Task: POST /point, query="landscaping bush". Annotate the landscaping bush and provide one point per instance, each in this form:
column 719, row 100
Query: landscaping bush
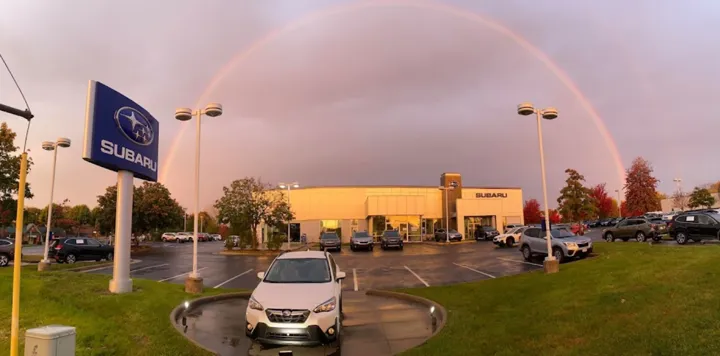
column 276, row 240
column 229, row 244
column 245, row 240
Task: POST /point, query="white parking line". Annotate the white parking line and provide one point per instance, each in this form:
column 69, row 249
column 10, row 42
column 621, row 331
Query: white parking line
column 144, row 268
column 180, row 275
column 232, row 279
column 474, row 270
column 355, row 279
column 418, row 277
column 132, row 262
column 516, row 261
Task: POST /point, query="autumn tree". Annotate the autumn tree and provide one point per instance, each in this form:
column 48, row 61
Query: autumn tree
column 531, row 212
column 615, row 209
column 575, row 202
column 10, row 166
column 701, row 197
column 640, row 187
column 680, row 200
column 603, row 202
column 554, row 216
column 80, row 213
column 32, row 215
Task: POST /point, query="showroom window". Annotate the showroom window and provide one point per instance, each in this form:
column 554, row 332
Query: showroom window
column 331, row 226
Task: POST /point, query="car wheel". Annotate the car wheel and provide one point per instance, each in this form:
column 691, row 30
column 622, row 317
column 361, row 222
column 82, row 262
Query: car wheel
column 177, row 241
column 510, row 242
column 109, row 256
column 70, row 258
column 681, row 238
column 640, row 236
column 4, row 260
column 656, row 237
column 609, row 237
column 526, row 252
column 558, row 254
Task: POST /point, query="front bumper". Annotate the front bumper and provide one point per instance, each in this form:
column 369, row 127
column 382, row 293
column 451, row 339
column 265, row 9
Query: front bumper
column 362, row 245
column 314, row 331
column 330, row 247
column 581, row 251
column 397, row 243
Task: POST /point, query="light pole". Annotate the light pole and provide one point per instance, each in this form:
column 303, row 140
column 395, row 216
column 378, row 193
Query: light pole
column 447, row 210
column 551, row 264
column 293, row 185
column 619, row 203
column 194, row 283
column 51, row 146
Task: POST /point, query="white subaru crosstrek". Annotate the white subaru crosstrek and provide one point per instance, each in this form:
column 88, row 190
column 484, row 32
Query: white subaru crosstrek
column 298, row 301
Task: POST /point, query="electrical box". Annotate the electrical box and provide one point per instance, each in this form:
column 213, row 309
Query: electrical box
column 51, row 340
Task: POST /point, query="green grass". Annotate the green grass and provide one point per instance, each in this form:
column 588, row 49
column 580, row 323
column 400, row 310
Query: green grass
column 633, row 299
column 135, row 324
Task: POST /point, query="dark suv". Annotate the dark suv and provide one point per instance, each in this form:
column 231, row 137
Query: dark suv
column 635, row 228
column 391, row 239
column 695, row 226
column 330, row 241
column 73, row 249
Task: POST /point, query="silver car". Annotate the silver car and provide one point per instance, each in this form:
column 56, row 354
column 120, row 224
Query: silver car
column 565, row 244
column 361, row 240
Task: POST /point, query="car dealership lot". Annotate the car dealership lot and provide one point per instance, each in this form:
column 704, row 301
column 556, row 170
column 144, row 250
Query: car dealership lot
column 418, row 265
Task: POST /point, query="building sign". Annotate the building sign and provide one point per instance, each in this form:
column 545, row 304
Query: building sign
column 119, row 134
column 491, row 195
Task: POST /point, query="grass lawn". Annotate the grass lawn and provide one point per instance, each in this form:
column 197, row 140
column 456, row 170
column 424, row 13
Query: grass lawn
column 633, row 299
column 135, row 324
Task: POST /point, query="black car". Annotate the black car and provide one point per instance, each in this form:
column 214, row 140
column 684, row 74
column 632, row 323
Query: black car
column 330, row 241
column 695, row 226
column 73, row 249
column 391, row 239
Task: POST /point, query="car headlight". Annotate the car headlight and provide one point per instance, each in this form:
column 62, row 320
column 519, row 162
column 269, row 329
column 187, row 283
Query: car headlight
column 328, row 305
column 254, row 304
column 571, row 245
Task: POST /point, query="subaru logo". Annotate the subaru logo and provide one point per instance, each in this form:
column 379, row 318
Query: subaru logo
column 286, row 313
column 134, row 125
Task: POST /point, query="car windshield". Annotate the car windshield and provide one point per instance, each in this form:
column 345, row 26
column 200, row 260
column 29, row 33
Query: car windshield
column 452, row 231
column 299, row 270
column 560, row 234
column 489, row 228
column 394, row 233
column 362, row 234
column 332, row 236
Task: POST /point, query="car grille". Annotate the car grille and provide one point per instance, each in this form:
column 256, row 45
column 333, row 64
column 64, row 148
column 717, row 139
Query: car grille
column 582, row 245
column 287, row 315
column 287, row 334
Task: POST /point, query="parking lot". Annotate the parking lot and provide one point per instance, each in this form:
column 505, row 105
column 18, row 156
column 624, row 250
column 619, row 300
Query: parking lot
column 418, row 265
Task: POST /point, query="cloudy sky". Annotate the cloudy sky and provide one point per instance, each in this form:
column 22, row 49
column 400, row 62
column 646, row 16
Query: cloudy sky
column 335, row 92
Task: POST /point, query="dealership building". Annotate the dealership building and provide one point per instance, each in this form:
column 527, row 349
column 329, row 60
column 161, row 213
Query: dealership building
column 415, row 211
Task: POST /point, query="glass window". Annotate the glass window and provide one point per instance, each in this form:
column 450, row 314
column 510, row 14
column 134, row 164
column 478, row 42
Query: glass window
column 680, row 219
column 532, row 232
column 80, row 242
column 703, row 219
column 362, row 234
column 92, row 242
column 690, row 218
column 391, row 233
column 70, row 242
column 559, row 234
column 299, row 270
column 329, row 236
column 4, row 243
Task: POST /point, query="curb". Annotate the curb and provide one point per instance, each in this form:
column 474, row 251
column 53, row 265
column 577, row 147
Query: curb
column 439, row 309
column 259, row 252
column 176, row 313
column 443, row 243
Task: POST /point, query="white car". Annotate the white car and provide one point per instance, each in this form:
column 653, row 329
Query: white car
column 168, row 237
column 183, row 237
column 216, row 237
column 298, row 301
column 510, row 237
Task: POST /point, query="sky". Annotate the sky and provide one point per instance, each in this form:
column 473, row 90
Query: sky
column 389, row 93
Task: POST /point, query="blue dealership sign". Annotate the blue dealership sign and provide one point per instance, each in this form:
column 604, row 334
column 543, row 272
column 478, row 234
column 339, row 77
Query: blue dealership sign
column 119, row 134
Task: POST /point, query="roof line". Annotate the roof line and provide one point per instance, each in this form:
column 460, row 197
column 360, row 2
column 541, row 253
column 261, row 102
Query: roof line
column 395, row 186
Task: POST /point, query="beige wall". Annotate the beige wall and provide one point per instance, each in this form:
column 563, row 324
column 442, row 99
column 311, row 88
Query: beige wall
column 503, row 208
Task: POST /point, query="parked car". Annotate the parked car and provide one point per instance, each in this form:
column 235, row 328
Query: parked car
column 510, row 238
column 490, row 232
column 297, row 302
column 361, row 240
column 235, row 240
column 453, row 235
column 509, row 227
column 391, row 239
column 7, row 252
column 564, row 244
column 330, row 241
column 203, row 237
column 695, row 226
column 182, row 237
column 169, row 237
column 215, row 237
column 639, row 229
column 73, row 249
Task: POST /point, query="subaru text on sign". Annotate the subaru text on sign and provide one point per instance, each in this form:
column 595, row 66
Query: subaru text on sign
column 119, row 134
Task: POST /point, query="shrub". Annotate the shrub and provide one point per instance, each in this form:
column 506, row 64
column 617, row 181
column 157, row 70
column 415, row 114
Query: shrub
column 229, row 244
column 276, row 240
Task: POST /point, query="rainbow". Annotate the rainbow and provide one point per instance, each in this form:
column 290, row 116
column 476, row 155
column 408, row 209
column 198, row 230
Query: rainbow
column 429, row 5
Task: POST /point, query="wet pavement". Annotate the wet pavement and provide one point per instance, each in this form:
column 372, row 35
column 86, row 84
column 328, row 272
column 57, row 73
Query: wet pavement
column 415, row 266
column 372, row 325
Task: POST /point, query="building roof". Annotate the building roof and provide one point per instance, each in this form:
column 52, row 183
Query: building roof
column 302, row 254
column 395, row 186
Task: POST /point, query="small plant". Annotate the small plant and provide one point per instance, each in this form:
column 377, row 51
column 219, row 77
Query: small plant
column 229, row 244
column 275, row 241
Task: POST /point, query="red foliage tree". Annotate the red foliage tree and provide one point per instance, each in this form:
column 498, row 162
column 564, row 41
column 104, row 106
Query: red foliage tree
column 224, row 231
column 554, row 216
column 602, row 201
column 640, row 185
column 531, row 212
column 628, row 213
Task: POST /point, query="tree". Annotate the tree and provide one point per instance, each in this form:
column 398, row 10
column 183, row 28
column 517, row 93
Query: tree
column 80, row 213
column 701, row 197
column 154, row 209
column 554, row 216
column 603, row 202
column 248, row 202
column 10, row 166
column 615, row 210
column 105, row 213
column 575, row 202
column 640, row 187
column 531, row 212
column 32, row 215
column 680, row 200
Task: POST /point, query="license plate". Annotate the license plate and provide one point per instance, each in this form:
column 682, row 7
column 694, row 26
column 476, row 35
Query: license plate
column 584, row 250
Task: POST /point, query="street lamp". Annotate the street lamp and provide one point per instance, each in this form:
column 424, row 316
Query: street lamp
column 51, row 146
column 452, row 186
column 551, row 264
column 193, row 284
column 293, row 185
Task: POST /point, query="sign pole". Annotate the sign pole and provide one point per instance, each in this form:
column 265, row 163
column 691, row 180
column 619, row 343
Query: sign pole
column 15, row 323
column 121, row 282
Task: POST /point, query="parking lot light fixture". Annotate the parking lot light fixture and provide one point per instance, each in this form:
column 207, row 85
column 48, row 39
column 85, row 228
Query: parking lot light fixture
column 194, row 282
column 51, row 146
column 288, row 186
column 525, row 109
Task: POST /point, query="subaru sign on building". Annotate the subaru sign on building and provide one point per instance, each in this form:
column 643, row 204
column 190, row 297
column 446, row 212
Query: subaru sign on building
column 119, row 134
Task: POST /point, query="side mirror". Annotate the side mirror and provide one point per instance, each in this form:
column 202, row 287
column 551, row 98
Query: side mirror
column 340, row 275
column 261, row 275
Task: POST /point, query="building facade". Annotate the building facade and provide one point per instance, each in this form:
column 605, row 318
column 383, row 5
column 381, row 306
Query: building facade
column 415, row 211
